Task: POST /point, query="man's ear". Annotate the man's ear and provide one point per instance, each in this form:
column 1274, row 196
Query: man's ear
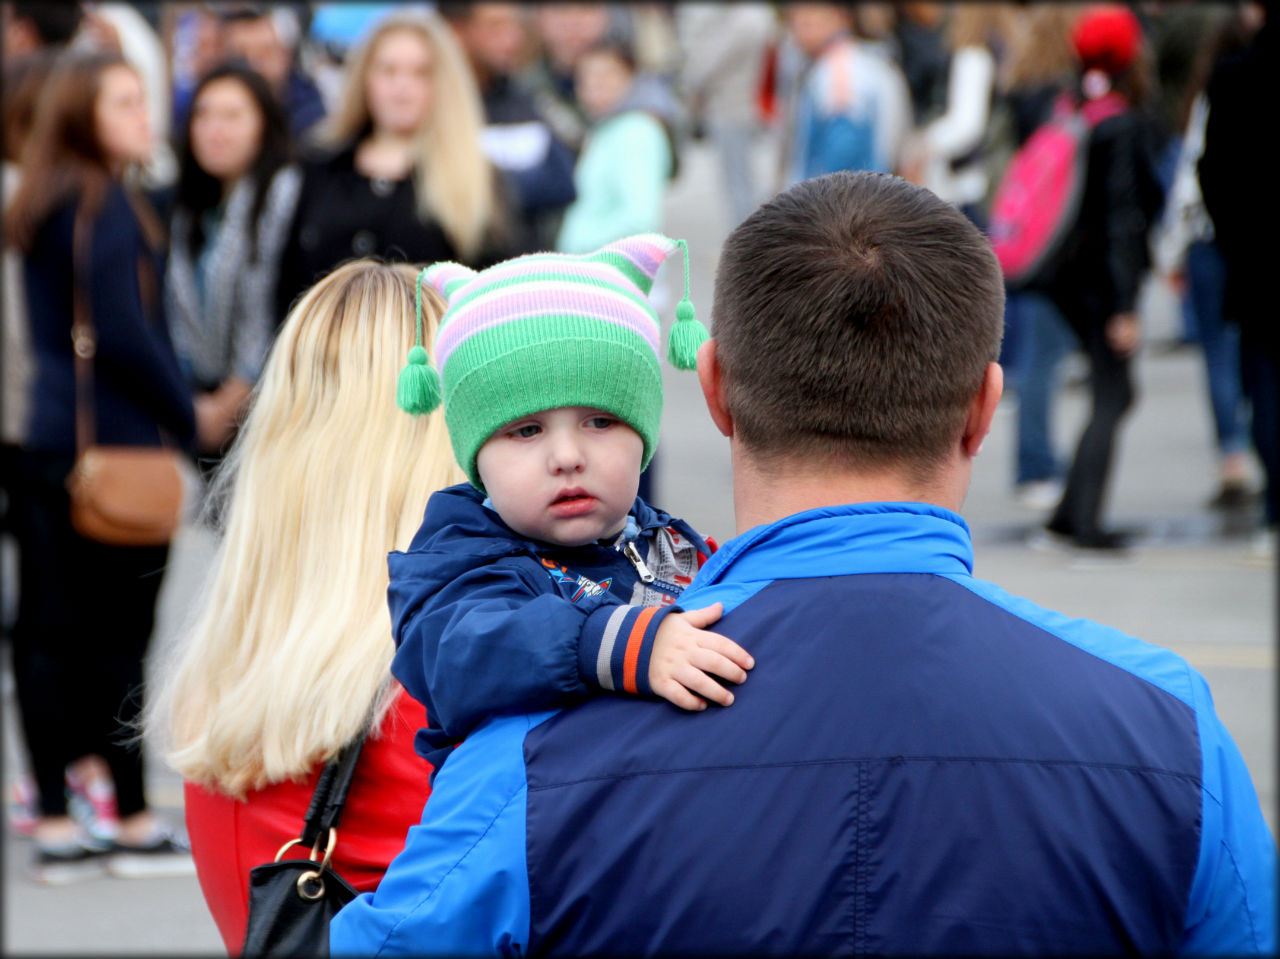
column 710, row 378
column 982, row 410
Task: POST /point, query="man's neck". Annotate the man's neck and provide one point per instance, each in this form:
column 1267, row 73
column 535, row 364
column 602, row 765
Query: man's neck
column 766, row 494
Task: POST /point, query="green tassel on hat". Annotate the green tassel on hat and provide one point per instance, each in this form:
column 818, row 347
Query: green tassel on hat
column 687, row 334
column 418, row 389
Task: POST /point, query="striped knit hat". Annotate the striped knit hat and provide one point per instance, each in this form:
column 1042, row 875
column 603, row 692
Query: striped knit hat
column 547, row 330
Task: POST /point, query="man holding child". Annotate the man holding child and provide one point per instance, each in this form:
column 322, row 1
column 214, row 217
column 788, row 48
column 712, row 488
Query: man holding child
column 919, row 762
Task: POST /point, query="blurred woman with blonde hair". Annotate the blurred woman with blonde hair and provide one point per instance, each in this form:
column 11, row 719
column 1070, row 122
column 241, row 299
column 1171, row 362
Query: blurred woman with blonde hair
column 287, row 657
column 397, row 169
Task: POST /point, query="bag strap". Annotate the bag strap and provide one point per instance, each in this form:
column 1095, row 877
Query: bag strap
column 84, row 335
column 330, row 795
column 1103, row 108
column 84, row 341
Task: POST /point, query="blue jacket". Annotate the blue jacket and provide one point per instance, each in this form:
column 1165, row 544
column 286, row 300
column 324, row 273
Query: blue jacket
column 919, row 763
column 486, row 620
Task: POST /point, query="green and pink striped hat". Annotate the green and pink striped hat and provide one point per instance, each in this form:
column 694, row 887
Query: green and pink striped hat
column 547, row 330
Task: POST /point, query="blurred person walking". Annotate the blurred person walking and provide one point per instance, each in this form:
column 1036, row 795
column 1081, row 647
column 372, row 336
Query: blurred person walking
column 1042, row 67
column 950, row 155
column 88, row 608
column 1187, row 255
column 851, row 108
column 24, row 76
column 1230, row 173
column 627, row 158
column 398, row 170
column 724, row 50
column 193, row 34
column 621, row 176
column 920, row 32
column 563, row 32
column 516, row 137
column 1097, row 282
column 121, row 28
column 235, row 195
column 287, row 656
column 91, row 793
column 268, row 39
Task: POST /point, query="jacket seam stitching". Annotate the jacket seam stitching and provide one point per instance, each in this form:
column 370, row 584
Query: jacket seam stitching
column 860, row 866
column 847, row 760
column 1244, row 889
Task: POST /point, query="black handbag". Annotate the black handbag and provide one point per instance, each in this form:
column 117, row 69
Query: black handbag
column 292, row 900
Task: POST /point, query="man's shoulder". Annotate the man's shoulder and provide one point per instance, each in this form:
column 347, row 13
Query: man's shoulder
column 1158, row 665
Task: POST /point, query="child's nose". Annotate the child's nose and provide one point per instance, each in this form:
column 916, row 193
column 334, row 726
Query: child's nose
column 566, row 455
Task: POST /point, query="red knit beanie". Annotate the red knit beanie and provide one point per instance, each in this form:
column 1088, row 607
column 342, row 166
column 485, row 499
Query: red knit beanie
column 1107, row 38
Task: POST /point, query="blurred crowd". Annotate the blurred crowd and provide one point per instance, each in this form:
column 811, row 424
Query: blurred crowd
column 240, row 152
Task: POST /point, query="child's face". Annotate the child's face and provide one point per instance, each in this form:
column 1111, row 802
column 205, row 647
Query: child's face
column 601, row 81
column 566, row 476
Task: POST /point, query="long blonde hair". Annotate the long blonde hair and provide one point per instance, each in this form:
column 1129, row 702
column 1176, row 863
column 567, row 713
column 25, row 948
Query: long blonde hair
column 288, row 655
column 454, row 178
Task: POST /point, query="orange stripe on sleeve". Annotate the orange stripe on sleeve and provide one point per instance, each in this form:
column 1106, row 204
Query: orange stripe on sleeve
column 634, row 641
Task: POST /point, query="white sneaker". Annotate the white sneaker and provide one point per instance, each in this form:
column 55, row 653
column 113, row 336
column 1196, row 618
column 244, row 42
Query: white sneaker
column 56, row 864
column 1038, row 495
column 1262, row 548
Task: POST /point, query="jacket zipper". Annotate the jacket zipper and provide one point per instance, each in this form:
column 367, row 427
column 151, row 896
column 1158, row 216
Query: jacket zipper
column 630, row 552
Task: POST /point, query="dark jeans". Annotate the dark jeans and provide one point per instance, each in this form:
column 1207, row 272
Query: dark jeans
column 85, row 616
column 1206, row 279
column 1043, row 340
column 1112, row 393
column 1260, row 374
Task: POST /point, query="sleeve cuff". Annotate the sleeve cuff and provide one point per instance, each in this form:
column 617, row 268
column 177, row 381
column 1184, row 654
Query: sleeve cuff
column 617, row 644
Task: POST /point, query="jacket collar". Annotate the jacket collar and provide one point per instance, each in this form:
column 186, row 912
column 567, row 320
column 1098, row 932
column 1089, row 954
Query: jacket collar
column 845, row 539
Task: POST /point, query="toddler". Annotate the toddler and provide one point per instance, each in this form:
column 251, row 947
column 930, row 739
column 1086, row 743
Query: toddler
column 547, row 578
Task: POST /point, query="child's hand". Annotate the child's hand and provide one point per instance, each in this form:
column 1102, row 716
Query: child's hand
column 685, row 656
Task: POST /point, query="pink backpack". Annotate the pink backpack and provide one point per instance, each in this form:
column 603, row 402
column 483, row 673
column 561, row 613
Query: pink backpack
column 1035, row 206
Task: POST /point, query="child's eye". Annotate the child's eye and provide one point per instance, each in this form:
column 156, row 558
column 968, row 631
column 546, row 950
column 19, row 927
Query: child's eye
column 526, row 431
column 601, row 422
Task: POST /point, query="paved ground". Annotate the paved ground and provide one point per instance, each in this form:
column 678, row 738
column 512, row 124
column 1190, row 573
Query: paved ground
column 1191, row 586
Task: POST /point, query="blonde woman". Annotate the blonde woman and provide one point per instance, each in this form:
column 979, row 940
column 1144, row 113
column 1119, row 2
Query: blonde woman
column 397, row 169
column 288, row 654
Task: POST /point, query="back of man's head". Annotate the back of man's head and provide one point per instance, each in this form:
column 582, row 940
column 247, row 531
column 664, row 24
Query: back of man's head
column 855, row 315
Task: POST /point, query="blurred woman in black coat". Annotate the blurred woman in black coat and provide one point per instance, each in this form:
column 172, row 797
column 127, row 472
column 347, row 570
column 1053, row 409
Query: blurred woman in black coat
column 1096, row 287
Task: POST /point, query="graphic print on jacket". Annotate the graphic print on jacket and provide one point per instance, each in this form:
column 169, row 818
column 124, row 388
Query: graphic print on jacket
column 1044, row 777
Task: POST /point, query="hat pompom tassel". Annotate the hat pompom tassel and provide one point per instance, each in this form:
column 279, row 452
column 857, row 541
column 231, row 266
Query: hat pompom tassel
column 418, row 389
column 687, row 334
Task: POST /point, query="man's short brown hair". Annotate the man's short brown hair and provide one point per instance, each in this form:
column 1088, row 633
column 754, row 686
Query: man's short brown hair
column 855, row 315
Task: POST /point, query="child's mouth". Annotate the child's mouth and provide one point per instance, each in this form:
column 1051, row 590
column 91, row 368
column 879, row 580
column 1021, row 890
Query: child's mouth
column 573, row 502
